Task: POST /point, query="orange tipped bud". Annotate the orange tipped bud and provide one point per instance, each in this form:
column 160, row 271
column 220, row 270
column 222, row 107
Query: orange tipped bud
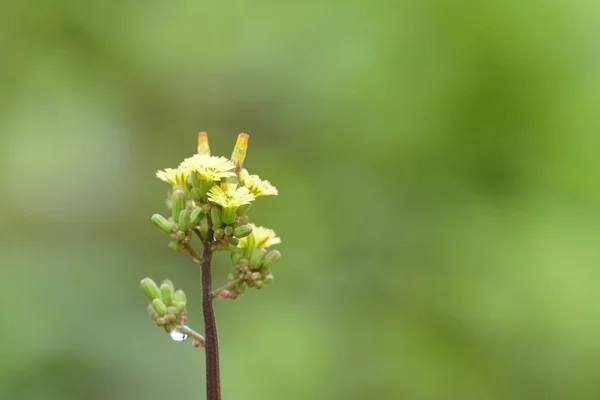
column 203, row 148
column 239, row 151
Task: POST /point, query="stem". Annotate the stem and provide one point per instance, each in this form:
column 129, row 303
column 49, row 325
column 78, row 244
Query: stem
column 213, row 384
column 189, row 331
column 230, row 285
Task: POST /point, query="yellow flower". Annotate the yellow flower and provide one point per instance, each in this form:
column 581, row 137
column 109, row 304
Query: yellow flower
column 177, row 176
column 257, row 186
column 260, row 238
column 209, row 168
column 228, row 196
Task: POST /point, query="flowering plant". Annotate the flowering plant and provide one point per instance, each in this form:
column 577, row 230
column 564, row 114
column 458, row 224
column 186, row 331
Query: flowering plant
column 209, row 198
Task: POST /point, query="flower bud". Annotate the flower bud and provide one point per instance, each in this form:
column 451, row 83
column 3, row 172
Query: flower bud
column 235, row 241
column 180, row 307
column 177, row 203
column 172, row 310
column 255, row 276
column 166, row 290
column 150, row 289
column 179, row 297
column 243, row 220
column 239, row 151
column 203, row 148
column 230, row 276
column 196, row 215
column 259, row 284
column 152, row 312
column 215, row 216
column 271, row 258
column 269, row 278
column 228, row 230
column 242, row 231
column 162, row 223
column 218, row 234
column 185, row 221
column 159, row 306
column 175, row 245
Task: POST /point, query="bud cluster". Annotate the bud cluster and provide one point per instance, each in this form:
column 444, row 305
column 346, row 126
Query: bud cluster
column 251, row 268
column 167, row 306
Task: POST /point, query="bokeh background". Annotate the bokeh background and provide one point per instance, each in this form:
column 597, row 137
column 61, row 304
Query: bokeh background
column 439, row 198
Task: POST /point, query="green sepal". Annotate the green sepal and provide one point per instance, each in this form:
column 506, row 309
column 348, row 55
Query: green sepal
column 229, row 215
column 271, row 258
column 150, row 289
column 152, row 312
column 243, row 209
column 250, row 246
column 216, row 217
column 162, row 223
column 257, row 258
column 196, row 215
column 242, row 231
column 185, row 221
column 177, row 204
column 166, row 290
column 236, row 254
column 159, row 306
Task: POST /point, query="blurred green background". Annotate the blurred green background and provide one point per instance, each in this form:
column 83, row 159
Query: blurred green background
column 438, row 171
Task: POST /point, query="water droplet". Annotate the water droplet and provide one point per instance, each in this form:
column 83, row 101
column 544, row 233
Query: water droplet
column 178, row 336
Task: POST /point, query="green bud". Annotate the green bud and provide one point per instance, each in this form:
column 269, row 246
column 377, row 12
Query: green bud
column 235, row 241
column 204, row 228
column 259, row 284
column 159, row 306
column 228, row 230
column 167, row 292
column 215, row 216
column 162, row 223
column 196, row 215
column 243, row 262
column 150, row 289
column 230, row 276
column 255, row 276
column 175, row 245
column 177, row 203
column 257, row 258
column 243, row 220
column 271, row 258
column 180, row 307
column 241, row 210
column 160, row 321
column 236, row 254
column 152, row 312
column 172, row 310
column 179, row 297
column 242, row 231
column 229, row 215
column 185, row 221
column 218, row 234
column 269, row 278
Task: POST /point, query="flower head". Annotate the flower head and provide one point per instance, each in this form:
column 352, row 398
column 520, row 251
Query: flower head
column 209, row 168
column 257, row 186
column 177, row 176
column 260, row 238
column 229, row 196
